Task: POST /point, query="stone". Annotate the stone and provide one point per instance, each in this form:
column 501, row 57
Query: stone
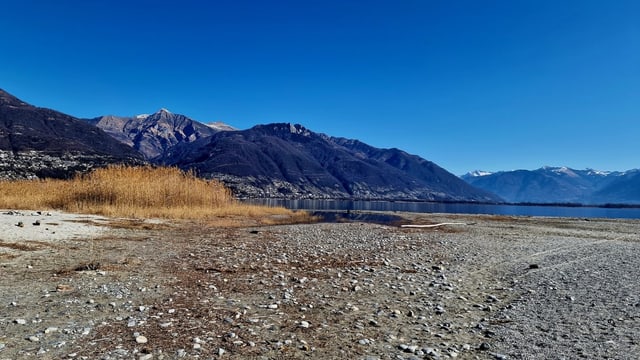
column 304, row 324
column 221, row 351
column 181, row 353
column 141, row 339
column 146, row 357
column 484, row 346
column 50, row 330
column 33, row 338
column 20, row 321
column 64, row 288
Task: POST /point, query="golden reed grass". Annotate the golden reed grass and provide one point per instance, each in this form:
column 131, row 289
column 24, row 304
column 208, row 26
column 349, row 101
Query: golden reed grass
column 135, row 192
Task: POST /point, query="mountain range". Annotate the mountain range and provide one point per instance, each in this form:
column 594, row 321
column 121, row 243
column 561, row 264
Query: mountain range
column 560, row 185
column 288, row 160
column 280, row 160
column 274, row 160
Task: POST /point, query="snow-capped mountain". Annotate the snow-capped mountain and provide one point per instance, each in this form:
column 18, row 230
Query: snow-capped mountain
column 476, row 173
column 560, row 185
column 153, row 134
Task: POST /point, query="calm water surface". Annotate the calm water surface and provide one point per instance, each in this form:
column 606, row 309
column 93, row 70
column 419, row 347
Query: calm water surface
column 453, row 208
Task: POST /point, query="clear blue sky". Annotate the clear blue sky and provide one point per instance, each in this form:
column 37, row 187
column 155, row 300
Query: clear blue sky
column 492, row 85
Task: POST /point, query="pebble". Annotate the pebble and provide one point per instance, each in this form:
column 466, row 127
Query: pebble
column 304, row 324
column 64, row 288
column 50, row 330
column 221, row 351
column 146, row 357
column 141, row 339
column 20, row 321
column 33, row 338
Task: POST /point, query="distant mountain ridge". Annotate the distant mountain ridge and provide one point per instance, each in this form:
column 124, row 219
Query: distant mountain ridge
column 560, row 185
column 153, row 134
column 290, row 161
column 38, row 142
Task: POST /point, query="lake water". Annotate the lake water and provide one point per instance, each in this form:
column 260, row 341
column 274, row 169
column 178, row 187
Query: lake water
column 453, row 208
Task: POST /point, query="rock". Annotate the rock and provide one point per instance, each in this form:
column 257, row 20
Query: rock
column 221, row 351
column 181, row 353
column 64, row 288
column 20, row 224
column 146, row 357
column 20, row 321
column 141, row 339
column 33, row 338
column 304, row 324
column 364, row 342
column 484, row 346
column 36, row 223
column 429, row 351
column 534, row 266
column 50, row 330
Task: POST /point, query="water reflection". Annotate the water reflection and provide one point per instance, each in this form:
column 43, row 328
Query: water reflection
column 453, row 208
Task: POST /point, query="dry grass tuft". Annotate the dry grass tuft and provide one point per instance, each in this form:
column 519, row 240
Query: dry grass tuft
column 136, row 192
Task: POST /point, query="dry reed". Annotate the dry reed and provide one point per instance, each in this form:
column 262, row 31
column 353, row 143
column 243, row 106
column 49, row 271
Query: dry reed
column 134, row 192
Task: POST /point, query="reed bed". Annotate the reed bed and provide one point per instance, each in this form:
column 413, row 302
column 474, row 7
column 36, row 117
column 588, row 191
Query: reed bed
column 133, row 192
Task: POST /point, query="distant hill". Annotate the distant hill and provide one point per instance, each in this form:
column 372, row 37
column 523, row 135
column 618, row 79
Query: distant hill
column 153, row 134
column 38, row 142
column 624, row 188
column 560, row 185
column 286, row 160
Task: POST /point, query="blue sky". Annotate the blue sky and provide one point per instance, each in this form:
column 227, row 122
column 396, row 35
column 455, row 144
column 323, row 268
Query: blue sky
column 492, row 85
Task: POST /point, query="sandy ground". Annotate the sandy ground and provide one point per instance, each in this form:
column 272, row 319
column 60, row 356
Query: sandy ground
column 24, row 226
column 480, row 287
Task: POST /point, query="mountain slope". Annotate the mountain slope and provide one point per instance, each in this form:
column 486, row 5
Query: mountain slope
column 624, row 189
column 39, row 142
column 285, row 160
column 153, row 134
column 549, row 185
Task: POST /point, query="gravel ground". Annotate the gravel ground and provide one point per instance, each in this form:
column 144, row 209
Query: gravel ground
column 489, row 287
